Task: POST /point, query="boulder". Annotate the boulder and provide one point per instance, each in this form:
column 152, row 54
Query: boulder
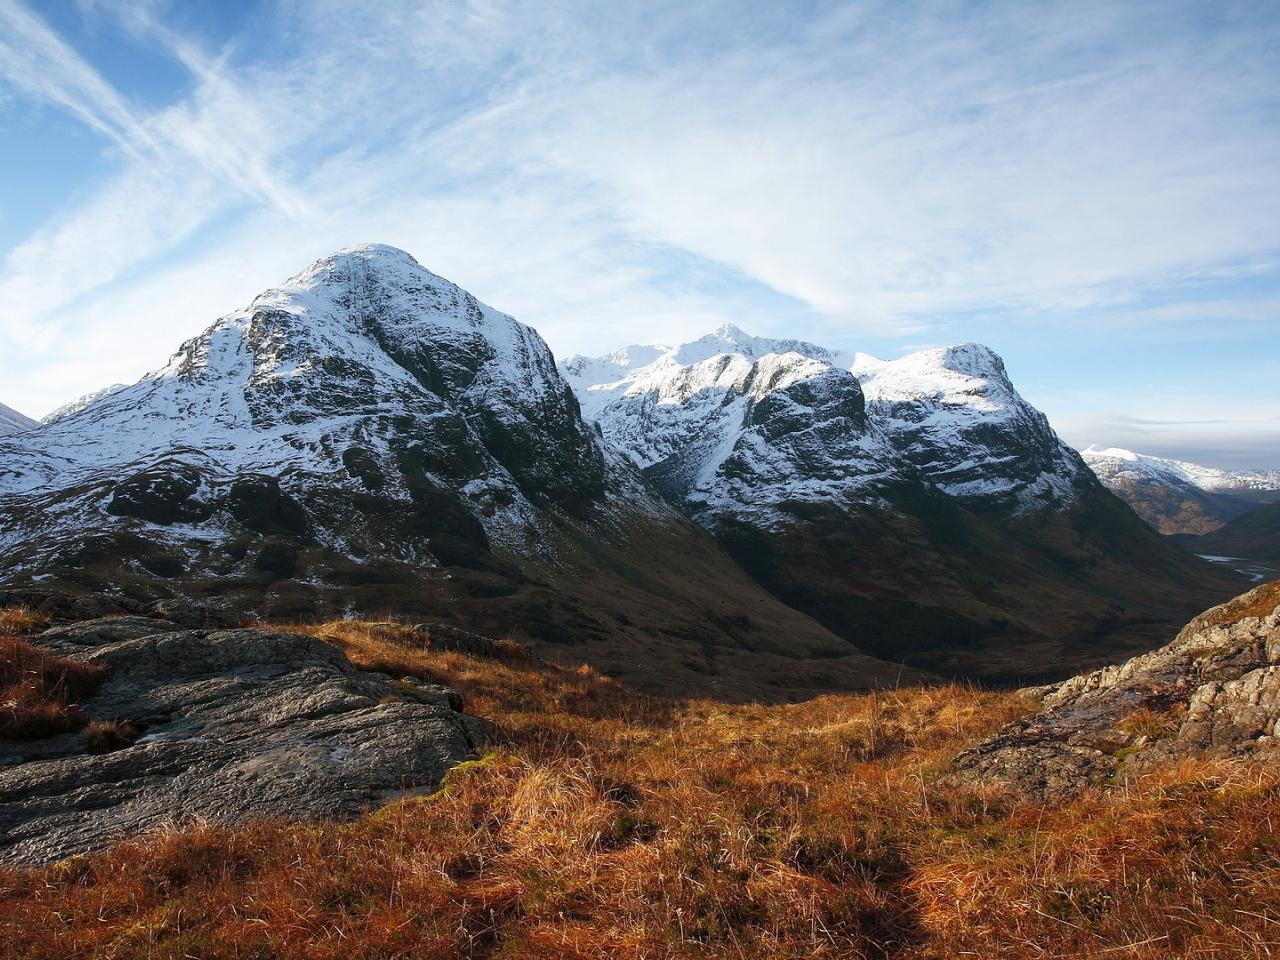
column 1213, row 692
column 222, row 725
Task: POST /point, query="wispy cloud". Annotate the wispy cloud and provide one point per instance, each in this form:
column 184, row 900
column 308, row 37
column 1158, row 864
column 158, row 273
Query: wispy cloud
column 37, row 62
column 183, row 164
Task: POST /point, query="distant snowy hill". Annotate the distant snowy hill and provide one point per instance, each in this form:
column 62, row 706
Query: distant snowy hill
column 919, row 501
column 11, row 421
column 1113, row 462
column 1178, row 497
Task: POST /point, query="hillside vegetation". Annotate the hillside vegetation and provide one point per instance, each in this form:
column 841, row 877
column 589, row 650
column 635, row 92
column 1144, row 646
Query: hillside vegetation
column 602, row 823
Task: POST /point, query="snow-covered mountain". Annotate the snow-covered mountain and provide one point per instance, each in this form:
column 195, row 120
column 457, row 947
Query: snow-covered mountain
column 955, row 415
column 920, row 503
column 1113, row 462
column 11, row 421
column 1178, row 497
column 369, row 436
column 734, row 424
column 365, row 371
column 737, row 423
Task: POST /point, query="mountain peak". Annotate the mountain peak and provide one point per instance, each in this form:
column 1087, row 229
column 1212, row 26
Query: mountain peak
column 967, row 374
column 974, row 360
column 359, row 262
column 728, row 338
column 373, row 252
column 1119, row 453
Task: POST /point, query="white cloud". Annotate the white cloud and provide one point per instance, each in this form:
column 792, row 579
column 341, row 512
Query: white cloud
column 37, row 62
column 941, row 171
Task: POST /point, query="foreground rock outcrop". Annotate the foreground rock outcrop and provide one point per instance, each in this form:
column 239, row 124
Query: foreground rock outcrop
column 1213, row 692
column 223, row 725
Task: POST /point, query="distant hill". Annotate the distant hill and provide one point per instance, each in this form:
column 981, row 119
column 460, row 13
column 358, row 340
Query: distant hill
column 1179, row 497
column 1255, row 536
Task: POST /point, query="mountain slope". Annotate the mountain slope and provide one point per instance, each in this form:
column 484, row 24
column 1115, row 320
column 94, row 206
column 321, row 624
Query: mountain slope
column 11, row 421
column 368, row 436
column 918, row 507
column 1177, row 497
column 1255, row 536
column 75, row 406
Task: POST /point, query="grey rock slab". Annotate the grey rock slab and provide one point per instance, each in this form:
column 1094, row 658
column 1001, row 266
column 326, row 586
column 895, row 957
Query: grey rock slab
column 82, row 637
column 238, row 724
column 1215, row 692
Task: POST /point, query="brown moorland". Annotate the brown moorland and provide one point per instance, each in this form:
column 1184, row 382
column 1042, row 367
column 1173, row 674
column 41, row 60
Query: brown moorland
column 605, row 823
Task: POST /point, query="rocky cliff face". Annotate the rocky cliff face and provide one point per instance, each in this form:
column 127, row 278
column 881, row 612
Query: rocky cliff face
column 738, row 426
column 735, row 424
column 918, row 507
column 1213, row 692
column 954, row 415
column 370, row 437
column 1177, row 497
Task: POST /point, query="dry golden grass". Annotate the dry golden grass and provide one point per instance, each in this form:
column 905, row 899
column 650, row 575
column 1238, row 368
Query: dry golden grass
column 19, row 621
column 38, row 691
column 605, row 824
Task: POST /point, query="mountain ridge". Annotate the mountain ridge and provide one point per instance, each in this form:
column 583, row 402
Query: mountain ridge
column 746, row 519
column 368, row 436
column 11, row 421
column 919, row 504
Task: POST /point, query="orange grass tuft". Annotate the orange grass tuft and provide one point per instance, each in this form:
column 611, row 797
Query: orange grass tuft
column 19, row 621
column 607, row 824
column 38, row 690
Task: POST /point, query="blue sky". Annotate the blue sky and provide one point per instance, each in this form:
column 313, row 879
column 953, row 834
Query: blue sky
column 1091, row 189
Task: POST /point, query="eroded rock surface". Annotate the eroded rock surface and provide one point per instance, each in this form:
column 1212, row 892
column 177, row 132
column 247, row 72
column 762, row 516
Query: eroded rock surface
column 1213, row 692
column 229, row 725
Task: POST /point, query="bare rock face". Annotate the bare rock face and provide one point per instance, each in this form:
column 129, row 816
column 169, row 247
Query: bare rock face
column 224, row 725
column 1213, row 692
